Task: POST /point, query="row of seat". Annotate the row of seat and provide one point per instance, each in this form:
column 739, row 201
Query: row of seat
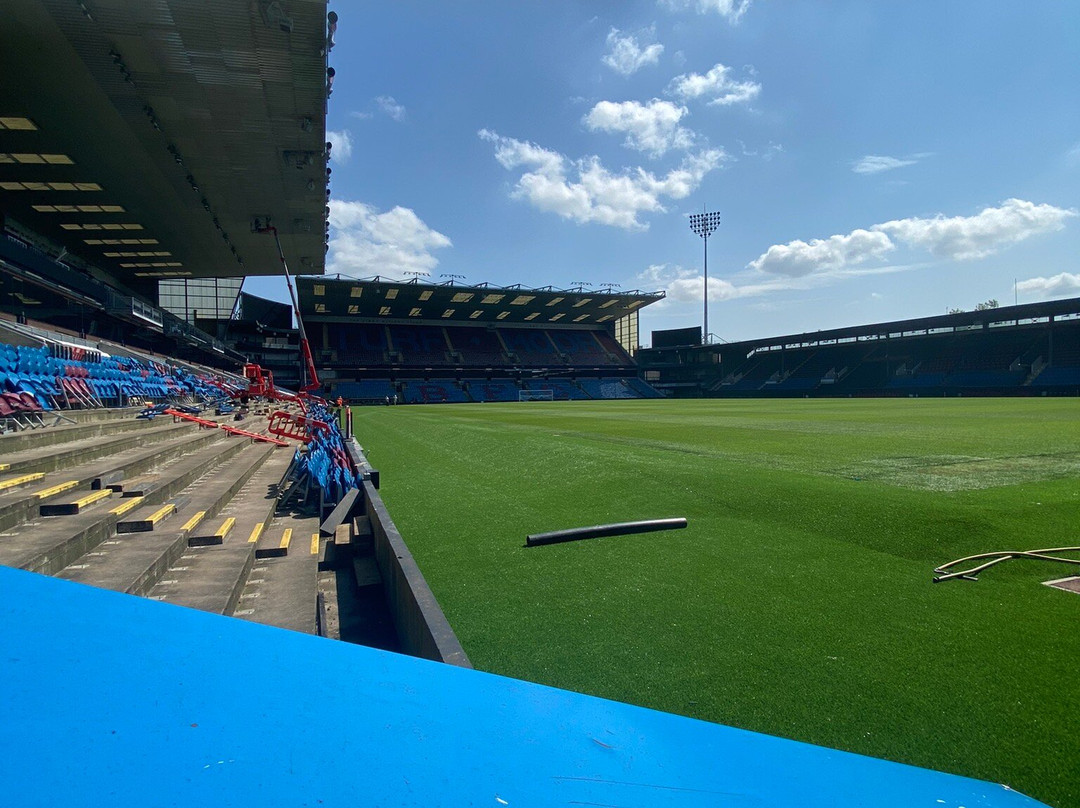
column 56, row 380
column 439, row 391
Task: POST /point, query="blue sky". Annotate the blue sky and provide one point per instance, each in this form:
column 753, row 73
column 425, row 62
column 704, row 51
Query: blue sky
column 870, row 160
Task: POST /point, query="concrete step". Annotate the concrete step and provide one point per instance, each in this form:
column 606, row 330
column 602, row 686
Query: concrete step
column 69, row 504
column 211, row 531
column 140, row 485
column 366, row 571
column 134, row 562
column 211, row 578
column 39, row 545
column 12, row 481
column 282, row 590
column 51, row 458
column 146, row 518
column 66, row 433
column 274, row 544
column 19, row 506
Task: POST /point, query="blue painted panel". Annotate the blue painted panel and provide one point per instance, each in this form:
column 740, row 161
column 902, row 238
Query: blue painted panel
column 108, row 699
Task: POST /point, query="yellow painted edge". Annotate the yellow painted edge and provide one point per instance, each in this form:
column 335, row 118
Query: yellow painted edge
column 4, row 466
column 226, row 526
column 23, row 480
column 314, row 543
column 45, row 493
column 286, row 537
column 193, row 522
column 255, row 533
column 161, row 513
column 89, row 499
column 119, row 510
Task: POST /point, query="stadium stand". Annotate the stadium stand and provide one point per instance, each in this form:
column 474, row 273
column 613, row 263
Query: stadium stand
column 492, row 389
column 419, row 345
column 561, row 389
column 446, row 343
column 529, row 347
column 418, row 391
column 366, row 391
column 1029, row 349
column 477, row 346
column 361, row 344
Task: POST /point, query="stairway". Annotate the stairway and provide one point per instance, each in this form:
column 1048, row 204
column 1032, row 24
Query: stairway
column 171, row 510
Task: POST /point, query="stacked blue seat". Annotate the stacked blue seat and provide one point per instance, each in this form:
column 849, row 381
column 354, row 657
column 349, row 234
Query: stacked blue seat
column 326, row 463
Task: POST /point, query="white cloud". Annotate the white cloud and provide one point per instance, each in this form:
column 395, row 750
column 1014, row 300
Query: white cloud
column 684, row 290
column 584, row 190
column 364, row 241
column 391, row 107
column 876, row 163
column 799, row 258
column 341, row 148
column 957, row 238
column 1072, row 157
column 1060, row 285
column 767, row 153
column 652, row 128
column 717, row 85
column 963, row 238
column 732, row 10
column 627, row 56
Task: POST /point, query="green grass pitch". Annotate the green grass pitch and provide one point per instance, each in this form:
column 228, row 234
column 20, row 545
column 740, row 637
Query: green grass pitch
column 799, row 600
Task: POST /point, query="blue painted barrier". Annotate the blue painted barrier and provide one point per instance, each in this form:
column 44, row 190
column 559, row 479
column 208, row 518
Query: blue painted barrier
column 110, row 699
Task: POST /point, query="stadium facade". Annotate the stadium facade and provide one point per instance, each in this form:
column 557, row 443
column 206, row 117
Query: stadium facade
column 1025, row 350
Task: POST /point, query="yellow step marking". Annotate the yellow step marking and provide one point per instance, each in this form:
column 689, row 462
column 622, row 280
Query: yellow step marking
column 161, row 513
column 255, row 533
column 4, row 466
column 90, row 499
column 45, row 493
column 226, row 526
column 314, row 543
column 23, row 480
column 286, row 537
column 127, row 505
column 193, row 522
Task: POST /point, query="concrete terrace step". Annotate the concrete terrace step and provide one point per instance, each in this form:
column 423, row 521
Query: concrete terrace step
column 211, row 532
column 146, row 518
column 105, row 472
column 16, row 507
column 134, row 562
column 140, row 485
column 283, row 590
column 40, row 546
column 47, row 459
column 66, row 433
column 72, row 504
column 211, row 578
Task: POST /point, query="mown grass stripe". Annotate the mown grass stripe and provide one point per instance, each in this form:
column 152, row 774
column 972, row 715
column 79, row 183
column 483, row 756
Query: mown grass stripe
column 799, row 600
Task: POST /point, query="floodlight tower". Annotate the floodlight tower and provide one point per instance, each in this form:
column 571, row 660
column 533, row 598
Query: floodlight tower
column 704, row 224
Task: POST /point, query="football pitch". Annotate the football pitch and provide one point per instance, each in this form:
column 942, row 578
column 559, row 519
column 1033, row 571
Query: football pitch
column 798, row 601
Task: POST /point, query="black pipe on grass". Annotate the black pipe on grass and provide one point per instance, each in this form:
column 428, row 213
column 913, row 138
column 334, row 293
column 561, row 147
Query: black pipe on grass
column 598, row 531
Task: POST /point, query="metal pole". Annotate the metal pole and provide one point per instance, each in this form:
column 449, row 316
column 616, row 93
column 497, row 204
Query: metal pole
column 705, row 336
column 703, row 224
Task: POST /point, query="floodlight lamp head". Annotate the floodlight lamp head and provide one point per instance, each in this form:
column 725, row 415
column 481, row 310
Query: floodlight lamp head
column 703, row 224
